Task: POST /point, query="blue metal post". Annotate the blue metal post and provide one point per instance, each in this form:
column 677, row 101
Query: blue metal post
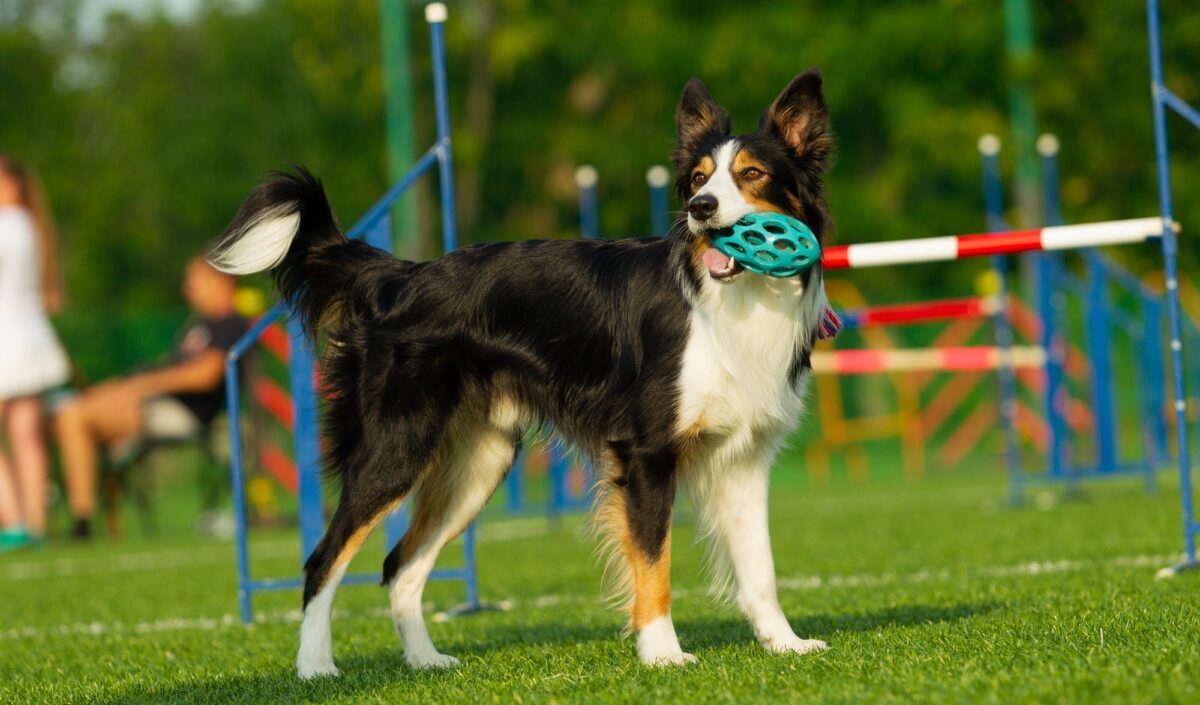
column 1152, row 357
column 589, row 208
column 470, row 571
column 560, row 472
column 435, row 15
column 657, row 178
column 1100, row 358
column 233, row 403
column 1052, row 339
column 514, row 484
column 1171, row 267
column 586, row 179
column 237, row 458
column 305, row 438
column 379, row 234
column 989, row 149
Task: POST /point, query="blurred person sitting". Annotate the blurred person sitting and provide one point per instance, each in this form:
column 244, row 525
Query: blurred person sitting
column 31, row 359
column 172, row 402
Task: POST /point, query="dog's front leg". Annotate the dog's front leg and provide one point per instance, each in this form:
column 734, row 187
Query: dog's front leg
column 733, row 502
column 642, row 501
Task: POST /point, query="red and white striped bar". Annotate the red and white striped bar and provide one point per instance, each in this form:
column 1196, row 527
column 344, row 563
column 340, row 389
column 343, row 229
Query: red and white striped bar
column 952, row 247
column 952, row 359
column 921, row 312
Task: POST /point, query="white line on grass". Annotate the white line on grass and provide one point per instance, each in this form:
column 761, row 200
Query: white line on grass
column 153, row 560
column 798, row 583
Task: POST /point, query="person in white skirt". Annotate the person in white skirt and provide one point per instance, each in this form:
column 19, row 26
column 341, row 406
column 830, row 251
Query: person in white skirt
column 31, row 359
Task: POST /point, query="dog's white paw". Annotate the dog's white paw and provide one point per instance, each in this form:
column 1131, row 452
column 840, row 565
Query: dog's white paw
column 678, row 658
column 794, row 645
column 428, row 661
column 315, row 668
column 658, row 646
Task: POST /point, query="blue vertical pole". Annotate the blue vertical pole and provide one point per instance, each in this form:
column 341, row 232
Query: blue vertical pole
column 657, row 178
column 989, row 150
column 1171, row 268
column 589, row 208
column 380, row 235
column 1154, row 385
column 305, row 438
column 470, row 570
column 435, row 15
column 1100, row 358
column 560, row 473
column 1052, row 341
column 515, row 484
column 238, row 472
column 586, row 180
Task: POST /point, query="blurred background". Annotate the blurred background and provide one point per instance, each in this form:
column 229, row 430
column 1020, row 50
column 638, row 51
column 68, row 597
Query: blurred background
column 151, row 119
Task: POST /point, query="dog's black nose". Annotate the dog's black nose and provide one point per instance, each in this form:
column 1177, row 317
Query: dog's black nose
column 703, row 206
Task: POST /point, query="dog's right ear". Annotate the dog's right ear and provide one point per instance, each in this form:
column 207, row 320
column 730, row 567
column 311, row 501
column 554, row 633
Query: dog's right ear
column 698, row 116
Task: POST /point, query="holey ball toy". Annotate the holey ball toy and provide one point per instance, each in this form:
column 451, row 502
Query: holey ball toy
column 769, row 243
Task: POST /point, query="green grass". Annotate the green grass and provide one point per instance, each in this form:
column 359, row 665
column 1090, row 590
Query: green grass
column 929, row 592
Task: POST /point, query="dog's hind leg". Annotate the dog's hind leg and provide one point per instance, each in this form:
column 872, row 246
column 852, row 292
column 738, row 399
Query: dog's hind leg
column 352, row 522
column 358, row 512
column 445, row 502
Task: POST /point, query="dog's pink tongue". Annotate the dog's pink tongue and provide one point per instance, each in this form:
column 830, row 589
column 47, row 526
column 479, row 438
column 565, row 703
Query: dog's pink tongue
column 716, row 261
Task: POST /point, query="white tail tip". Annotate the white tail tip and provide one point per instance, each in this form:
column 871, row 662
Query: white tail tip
column 261, row 244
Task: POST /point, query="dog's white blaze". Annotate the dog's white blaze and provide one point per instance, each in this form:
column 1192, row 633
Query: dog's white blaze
column 731, row 205
column 262, row 244
column 657, row 644
column 315, row 657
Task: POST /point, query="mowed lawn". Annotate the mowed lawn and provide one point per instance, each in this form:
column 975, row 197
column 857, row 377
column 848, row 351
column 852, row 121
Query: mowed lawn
column 936, row 591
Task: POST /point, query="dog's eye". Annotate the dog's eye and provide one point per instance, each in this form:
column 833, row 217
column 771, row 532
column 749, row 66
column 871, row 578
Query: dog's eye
column 699, row 178
column 751, row 173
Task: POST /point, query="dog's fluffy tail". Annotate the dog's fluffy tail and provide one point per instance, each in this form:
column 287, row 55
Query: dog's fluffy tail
column 286, row 225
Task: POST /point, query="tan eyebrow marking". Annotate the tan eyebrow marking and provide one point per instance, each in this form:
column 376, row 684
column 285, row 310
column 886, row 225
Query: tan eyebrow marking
column 753, row 191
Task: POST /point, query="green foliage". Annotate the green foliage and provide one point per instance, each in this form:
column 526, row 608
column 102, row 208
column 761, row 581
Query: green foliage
column 149, row 136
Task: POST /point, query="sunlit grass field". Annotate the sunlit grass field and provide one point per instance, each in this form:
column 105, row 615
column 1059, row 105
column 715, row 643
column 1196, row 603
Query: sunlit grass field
column 931, row 591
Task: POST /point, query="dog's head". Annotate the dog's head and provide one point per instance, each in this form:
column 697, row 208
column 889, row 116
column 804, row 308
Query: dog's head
column 777, row 168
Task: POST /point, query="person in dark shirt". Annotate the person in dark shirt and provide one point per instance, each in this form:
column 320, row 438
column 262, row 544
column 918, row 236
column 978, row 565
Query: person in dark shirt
column 172, row 401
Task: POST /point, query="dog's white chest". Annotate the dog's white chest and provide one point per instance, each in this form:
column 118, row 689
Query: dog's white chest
column 741, row 348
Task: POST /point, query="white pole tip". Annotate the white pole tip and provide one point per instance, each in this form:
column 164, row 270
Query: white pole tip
column 435, row 12
column 586, row 176
column 658, row 176
column 1047, row 145
column 989, row 145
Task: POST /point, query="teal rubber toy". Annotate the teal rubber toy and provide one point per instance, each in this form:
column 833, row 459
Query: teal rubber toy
column 774, row 244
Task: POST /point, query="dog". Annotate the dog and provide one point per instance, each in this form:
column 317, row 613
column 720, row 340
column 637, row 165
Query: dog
column 662, row 359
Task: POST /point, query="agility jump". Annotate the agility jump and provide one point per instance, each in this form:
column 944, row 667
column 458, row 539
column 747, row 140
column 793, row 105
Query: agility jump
column 375, row 228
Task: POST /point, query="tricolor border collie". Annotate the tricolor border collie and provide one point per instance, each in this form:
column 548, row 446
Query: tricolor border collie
column 662, row 359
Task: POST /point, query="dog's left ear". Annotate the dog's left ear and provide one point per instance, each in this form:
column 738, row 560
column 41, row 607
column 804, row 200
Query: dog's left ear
column 800, row 117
